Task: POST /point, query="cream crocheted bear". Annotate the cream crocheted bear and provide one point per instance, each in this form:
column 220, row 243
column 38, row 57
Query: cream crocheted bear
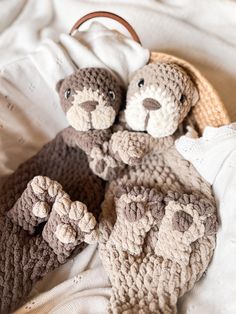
column 157, row 232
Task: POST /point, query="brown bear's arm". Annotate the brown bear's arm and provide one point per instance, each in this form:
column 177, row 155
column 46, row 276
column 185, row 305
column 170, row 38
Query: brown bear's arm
column 86, row 140
column 95, row 144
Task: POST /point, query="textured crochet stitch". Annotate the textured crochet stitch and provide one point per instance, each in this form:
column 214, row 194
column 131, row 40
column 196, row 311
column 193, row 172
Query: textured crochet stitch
column 49, row 204
column 158, row 224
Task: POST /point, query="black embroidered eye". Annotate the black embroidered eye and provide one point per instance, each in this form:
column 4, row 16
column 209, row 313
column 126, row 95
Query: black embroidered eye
column 182, row 98
column 67, row 93
column 140, row 82
column 111, row 94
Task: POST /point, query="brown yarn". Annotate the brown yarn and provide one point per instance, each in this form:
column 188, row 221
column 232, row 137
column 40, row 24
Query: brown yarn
column 46, row 205
column 94, row 79
column 25, row 256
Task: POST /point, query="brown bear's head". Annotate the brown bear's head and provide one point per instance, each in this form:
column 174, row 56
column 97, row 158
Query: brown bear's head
column 91, row 98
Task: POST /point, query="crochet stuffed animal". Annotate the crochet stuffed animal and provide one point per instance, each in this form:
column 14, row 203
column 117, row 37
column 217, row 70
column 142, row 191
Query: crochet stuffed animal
column 157, row 232
column 41, row 224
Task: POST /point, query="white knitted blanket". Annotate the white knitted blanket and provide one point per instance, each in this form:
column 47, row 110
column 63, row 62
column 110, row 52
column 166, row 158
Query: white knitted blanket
column 214, row 156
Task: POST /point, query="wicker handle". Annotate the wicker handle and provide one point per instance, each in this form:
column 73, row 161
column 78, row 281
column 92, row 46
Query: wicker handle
column 109, row 15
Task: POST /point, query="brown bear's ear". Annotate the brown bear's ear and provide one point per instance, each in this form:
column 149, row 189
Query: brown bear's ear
column 58, row 86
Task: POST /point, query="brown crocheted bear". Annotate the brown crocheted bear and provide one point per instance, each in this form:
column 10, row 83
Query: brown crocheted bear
column 157, row 233
column 41, row 224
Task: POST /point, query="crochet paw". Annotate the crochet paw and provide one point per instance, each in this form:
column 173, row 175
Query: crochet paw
column 69, row 225
column 45, row 190
column 133, row 202
column 138, row 210
column 187, row 219
column 102, row 163
column 129, row 146
column 194, row 209
column 34, row 205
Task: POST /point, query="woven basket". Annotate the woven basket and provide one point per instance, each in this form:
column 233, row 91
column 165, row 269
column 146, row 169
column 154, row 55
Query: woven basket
column 209, row 111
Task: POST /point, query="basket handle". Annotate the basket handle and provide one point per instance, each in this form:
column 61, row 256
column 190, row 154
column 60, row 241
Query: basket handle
column 110, row 15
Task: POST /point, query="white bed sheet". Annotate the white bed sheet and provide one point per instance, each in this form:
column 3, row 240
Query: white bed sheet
column 202, row 32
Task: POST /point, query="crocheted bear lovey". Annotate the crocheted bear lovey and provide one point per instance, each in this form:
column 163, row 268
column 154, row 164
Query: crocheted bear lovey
column 41, row 223
column 157, row 232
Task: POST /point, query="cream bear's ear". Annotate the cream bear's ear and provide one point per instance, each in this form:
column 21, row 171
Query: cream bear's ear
column 196, row 97
column 58, row 85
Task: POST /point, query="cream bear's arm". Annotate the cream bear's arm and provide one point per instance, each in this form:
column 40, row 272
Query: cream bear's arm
column 131, row 147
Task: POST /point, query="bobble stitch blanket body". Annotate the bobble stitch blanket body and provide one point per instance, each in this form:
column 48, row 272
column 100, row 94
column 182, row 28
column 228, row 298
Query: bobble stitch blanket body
column 46, row 205
column 158, row 225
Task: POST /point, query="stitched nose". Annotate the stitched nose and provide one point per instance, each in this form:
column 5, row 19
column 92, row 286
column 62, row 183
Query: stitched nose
column 151, row 104
column 89, row 106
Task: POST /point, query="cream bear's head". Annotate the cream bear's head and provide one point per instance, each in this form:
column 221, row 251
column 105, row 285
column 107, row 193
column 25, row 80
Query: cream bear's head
column 91, row 98
column 159, row 97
